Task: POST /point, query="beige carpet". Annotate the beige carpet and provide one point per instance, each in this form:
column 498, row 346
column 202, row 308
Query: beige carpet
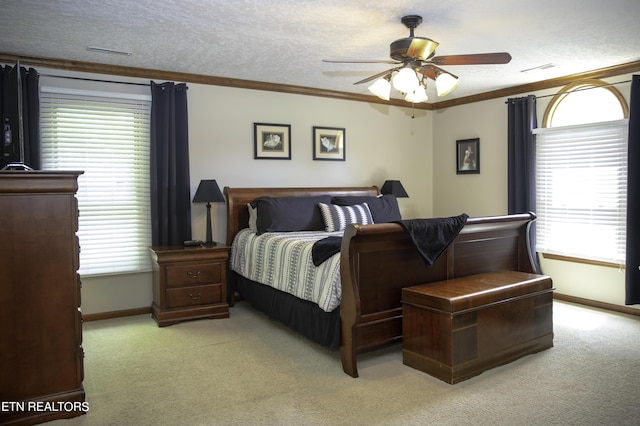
column 248, row 370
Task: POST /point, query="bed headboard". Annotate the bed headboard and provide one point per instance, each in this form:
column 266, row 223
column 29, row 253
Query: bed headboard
column 238, row 198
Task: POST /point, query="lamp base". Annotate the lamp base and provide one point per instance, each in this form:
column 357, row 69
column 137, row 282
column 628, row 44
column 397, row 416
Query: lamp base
column 209, row 241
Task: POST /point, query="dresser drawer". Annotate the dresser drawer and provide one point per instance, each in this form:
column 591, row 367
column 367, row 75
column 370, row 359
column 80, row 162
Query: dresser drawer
column 192, row 274
column 197, row 295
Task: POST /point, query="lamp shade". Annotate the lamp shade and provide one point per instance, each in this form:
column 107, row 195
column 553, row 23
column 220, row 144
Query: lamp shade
column 418, row 95
column 381, row 88
column 208, row 192
column 394, row 187
column 445, row 83
column 405, row 80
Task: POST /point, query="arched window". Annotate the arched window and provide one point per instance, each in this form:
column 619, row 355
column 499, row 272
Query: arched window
column 583, row 102
column 581, row 174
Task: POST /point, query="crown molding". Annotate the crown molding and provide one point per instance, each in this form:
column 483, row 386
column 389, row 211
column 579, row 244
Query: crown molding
column 153, row 74
column 541, row 85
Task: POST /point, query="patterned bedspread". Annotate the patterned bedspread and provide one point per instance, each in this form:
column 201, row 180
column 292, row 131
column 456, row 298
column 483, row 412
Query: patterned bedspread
column 283, row 260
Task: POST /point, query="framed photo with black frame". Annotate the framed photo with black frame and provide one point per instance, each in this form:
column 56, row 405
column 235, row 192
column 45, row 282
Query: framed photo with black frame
column 272, row 141
column 329, row 143
column 468, row 156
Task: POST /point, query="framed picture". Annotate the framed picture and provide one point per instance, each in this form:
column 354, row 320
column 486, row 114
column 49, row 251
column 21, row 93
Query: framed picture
column 329, row 143
column 468, row 156
column 272, row 141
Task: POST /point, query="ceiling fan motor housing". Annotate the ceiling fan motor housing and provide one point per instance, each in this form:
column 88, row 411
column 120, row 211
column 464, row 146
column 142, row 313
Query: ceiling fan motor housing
column 398, row 49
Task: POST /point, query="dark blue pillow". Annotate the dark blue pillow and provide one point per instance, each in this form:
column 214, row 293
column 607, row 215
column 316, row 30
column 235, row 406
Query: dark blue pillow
column 287, row 214
column 383, row 209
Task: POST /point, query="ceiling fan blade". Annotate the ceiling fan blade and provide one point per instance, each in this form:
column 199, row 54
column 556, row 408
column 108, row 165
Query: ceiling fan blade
column 373, row 77
column 428, row 71
column 473, row 59
column 363, row 62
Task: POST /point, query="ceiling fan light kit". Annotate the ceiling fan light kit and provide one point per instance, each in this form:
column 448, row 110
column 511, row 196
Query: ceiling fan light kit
column 416, row 60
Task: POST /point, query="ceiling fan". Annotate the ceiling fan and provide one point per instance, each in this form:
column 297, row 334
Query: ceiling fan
column 416, row 61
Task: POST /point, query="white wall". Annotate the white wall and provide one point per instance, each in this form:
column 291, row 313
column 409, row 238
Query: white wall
column 483, row 194
column 382, row 142
column 486, row 193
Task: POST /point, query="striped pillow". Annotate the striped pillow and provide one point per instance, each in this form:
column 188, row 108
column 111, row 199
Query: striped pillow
column 336, row 218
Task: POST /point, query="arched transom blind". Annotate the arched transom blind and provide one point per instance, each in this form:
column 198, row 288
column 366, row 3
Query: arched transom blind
column 107, row 136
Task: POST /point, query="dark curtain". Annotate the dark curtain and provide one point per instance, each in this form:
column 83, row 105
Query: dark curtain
column 632, row 274
column 10, row 148
column 170, row 184
column 521, row 164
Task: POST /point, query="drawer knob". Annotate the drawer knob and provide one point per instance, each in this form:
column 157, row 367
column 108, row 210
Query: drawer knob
column 196, row 297
column 193, row 274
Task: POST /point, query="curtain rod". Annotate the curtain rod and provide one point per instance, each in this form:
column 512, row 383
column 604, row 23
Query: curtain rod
column 94, row 80
column 579, row 90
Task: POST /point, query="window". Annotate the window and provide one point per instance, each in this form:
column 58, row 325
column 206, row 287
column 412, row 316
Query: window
column 106, row 135
column 581, row 175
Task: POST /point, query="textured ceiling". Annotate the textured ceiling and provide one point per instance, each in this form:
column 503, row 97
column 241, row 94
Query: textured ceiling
column 284, row 41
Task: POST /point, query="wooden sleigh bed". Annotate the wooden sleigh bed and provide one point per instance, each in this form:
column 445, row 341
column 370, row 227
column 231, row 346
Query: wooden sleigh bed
column 376, row 262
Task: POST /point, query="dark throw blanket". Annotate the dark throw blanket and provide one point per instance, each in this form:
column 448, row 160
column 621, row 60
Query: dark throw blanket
column 325, row 248
column 432, row 236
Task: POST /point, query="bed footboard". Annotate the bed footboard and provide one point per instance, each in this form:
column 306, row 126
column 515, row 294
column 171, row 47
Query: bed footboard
column 378, row 260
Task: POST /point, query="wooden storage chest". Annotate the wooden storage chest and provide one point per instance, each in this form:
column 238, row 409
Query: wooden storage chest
column 458, row 328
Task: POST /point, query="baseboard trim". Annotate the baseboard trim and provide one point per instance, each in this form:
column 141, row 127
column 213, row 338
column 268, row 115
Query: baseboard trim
column 563, row 297
column 597, row 304
column 116, row 314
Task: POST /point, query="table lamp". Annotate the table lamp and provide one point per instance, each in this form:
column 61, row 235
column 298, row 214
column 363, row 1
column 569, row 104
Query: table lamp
column 208, row 192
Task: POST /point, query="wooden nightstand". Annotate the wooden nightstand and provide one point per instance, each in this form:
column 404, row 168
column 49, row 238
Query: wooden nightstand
column 189, row 283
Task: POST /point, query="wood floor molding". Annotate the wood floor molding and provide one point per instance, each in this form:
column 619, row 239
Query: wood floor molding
column 567, row 298
column 597, row 304
column 116, row 314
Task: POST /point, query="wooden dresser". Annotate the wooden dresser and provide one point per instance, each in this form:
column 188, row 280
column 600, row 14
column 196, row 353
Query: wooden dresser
column 41, row 356
column 189, row 283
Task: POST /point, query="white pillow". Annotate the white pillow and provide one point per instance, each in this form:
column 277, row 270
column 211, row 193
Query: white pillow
column 336, row 218
column 253, row 217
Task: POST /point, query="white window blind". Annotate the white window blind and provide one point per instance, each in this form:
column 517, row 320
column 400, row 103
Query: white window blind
column 581, row 185
column 106, row 135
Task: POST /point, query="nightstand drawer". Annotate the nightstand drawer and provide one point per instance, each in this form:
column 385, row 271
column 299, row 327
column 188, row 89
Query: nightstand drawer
column 205, row 273
column 199, row 295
